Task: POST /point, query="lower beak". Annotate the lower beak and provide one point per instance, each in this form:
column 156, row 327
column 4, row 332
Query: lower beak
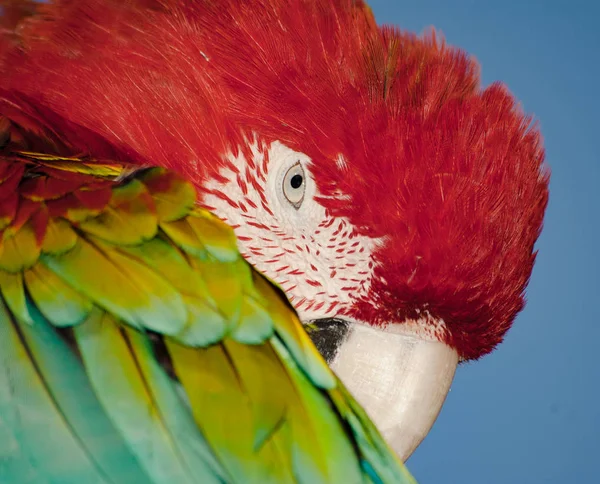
column 399, row 378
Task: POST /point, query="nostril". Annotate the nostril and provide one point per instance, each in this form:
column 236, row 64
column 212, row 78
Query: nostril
column 328, row 334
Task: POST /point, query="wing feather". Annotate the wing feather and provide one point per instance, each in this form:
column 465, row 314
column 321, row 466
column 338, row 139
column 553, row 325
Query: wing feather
column 148, row 350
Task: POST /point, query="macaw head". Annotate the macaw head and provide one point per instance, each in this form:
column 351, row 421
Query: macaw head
column 395, row 201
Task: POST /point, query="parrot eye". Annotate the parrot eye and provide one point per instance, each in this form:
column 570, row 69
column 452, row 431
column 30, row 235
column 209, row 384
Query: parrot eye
column 294, row 186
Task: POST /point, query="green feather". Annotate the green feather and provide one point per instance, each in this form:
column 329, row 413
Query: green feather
column 184, row 236
column 220, row 407
column 130, row 217
column 267, row 391
column 115, row 375
column 58, row 301
column 255, row 324
column 59, row 238
column 13, row 291
column 224, row 285
column 294, row 337
column 165, row 259
column 204, row 323
column 204, row 326
column 318, row 454
column 195, row 453
column 217, row 238
column 19, row 251
column 37, row 444
column 69, row 387
column 173, row 197
column 121, row 285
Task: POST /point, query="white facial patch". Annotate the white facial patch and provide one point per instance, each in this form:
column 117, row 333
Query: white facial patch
column 320, row 261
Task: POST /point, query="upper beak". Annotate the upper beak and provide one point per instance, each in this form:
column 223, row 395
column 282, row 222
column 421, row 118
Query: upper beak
column 399, row 378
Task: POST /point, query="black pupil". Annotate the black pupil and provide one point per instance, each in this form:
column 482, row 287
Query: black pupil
column 296, row 181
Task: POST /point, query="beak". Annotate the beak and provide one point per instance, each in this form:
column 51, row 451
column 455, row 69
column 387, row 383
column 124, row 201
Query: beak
column 400, row 379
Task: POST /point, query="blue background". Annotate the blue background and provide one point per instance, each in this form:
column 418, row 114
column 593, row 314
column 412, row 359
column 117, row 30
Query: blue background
column 530, row 412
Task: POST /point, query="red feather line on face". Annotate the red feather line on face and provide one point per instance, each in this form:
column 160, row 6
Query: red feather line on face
column 451, row 176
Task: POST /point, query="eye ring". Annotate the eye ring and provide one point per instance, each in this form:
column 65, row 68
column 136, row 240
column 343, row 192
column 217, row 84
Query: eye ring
column 294, row 185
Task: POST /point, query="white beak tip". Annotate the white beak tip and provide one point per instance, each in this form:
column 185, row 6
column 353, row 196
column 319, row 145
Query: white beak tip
column 399, row 378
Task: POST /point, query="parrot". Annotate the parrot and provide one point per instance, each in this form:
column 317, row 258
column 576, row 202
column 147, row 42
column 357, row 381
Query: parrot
column 363, row 169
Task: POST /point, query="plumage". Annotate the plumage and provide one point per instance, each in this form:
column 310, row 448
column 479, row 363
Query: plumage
column 362, row 168
column 128, row 357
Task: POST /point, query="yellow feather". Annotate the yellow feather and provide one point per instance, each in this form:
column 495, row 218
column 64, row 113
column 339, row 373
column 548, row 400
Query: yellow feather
column 13, row 291
column 173, row 196
column 57, row 301
column 121, row 285
column 216, row 237
column 182, row 234
column 59, row 237
column 19, row 251
column 129, row 218
column 121, row 388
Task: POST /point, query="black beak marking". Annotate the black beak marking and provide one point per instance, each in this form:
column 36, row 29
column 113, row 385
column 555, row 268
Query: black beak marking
column 328, row 334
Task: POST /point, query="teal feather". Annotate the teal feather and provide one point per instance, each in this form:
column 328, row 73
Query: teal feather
column 316, row 435
column 190, row 444
column 69, row 387
column 39, row 445
column 116, row 378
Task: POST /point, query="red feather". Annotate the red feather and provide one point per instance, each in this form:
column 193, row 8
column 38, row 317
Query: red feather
column 451, row 175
